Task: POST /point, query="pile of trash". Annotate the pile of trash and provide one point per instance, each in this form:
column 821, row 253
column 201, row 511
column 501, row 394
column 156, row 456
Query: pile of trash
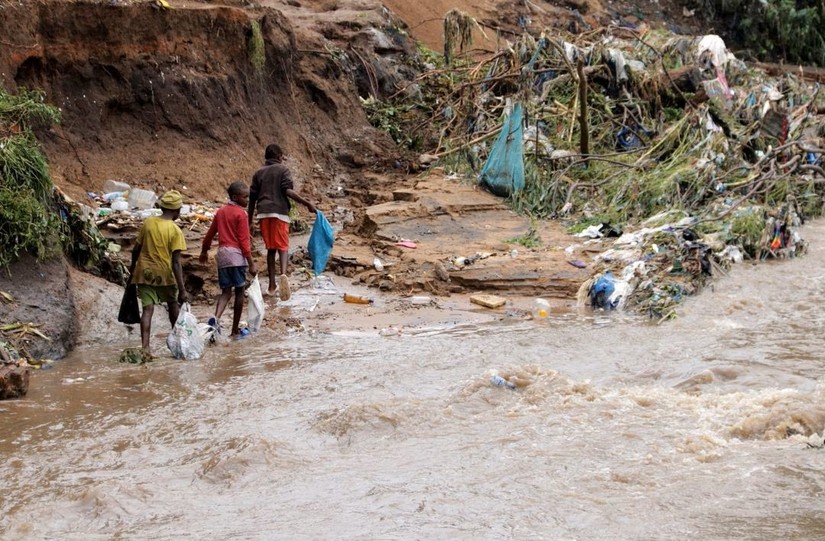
column 124, row 205
column 94, row 231
column 690, row 157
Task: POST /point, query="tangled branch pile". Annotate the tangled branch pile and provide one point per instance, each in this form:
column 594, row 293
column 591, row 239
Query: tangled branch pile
column 675, row 125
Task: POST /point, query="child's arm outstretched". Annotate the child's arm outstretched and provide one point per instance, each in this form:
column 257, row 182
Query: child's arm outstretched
column 292, row 194
column 207, row 241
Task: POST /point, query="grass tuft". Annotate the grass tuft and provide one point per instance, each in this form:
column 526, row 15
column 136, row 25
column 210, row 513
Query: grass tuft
column 257, row 48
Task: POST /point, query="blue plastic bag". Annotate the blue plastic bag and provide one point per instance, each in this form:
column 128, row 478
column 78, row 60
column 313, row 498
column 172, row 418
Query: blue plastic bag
column 601, row 291
column 320, row 243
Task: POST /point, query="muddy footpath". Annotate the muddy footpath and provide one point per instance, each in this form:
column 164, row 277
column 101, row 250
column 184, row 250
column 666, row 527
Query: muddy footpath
column 430, row 249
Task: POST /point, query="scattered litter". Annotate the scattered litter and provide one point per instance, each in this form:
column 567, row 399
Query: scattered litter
column 112, row 186
column 391, row 331
column 499, row 381
column 323, row 284
column 696, row 129
column 142, row 199
column 541, row 308
column 357, row 299
column 591, row 232
column 406, row 244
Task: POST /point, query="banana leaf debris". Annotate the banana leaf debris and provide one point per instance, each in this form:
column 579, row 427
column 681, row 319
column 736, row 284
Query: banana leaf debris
column 670, row 155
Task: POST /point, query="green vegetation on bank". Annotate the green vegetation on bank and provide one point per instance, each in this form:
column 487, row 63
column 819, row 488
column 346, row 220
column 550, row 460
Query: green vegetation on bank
column 33, row 217
column 793, row 30
column 27, row 221
column 257, row 48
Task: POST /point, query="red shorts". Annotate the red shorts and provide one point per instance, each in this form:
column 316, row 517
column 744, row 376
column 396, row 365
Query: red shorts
column 275, row 233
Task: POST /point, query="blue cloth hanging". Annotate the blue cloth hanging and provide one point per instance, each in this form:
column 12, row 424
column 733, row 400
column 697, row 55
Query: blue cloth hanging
column 503, row 173
column 320, row 242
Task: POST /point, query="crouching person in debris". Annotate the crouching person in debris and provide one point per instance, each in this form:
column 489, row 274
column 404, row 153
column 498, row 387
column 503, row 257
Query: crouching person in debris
column 156, row 267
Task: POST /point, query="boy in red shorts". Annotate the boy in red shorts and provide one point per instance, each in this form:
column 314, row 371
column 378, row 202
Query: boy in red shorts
column 234, row 253
column 271, row 190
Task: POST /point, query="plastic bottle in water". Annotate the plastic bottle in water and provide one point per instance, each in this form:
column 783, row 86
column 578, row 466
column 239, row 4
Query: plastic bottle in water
column 541, row 309
column 499, row 381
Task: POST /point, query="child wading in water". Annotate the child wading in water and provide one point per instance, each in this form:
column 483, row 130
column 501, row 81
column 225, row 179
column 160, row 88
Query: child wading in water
column 234, row 253
column 156, row 267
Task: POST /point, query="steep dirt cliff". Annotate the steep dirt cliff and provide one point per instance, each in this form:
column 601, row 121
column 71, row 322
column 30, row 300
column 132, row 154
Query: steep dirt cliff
column 182, row 98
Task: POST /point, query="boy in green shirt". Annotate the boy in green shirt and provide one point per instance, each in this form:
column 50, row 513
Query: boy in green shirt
column 156, row 267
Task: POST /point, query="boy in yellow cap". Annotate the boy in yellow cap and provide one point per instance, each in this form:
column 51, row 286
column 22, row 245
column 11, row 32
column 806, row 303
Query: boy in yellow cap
column 156, row 267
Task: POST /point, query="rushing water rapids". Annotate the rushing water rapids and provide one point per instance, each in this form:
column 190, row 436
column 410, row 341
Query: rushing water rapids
column 694, row 429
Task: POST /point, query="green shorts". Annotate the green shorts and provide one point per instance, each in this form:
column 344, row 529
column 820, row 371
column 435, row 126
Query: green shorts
column 157, row 294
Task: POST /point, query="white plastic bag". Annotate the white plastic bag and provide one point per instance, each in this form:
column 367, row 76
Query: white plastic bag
column 186, row 341
column 255, row 309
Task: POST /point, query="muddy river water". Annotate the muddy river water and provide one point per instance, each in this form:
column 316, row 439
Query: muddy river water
column 694, row 429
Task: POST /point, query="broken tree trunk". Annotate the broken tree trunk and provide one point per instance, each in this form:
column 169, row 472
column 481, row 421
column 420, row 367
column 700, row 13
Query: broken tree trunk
column 14, row 381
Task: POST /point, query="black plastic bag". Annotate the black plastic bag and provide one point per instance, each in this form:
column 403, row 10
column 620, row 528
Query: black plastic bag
column 129, row 307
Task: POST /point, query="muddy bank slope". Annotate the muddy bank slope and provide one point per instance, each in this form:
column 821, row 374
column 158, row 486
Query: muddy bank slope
column 183, row 98
column 42, row 301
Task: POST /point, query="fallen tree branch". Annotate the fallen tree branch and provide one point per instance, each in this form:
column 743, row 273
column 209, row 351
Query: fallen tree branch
column 584, row 128
column 490, row 133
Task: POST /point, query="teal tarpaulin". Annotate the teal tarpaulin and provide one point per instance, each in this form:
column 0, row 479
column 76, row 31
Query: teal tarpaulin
column 503, row 173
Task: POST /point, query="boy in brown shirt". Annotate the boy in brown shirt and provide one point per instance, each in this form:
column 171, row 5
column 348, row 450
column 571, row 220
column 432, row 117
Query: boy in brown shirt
column 271, row 190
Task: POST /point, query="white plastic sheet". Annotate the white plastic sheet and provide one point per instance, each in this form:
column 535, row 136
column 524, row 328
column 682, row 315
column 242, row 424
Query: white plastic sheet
column 255, row 309
column 186, row 340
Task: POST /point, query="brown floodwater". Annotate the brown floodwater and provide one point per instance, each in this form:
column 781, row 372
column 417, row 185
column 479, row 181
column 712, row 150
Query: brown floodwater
column 620, row 429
